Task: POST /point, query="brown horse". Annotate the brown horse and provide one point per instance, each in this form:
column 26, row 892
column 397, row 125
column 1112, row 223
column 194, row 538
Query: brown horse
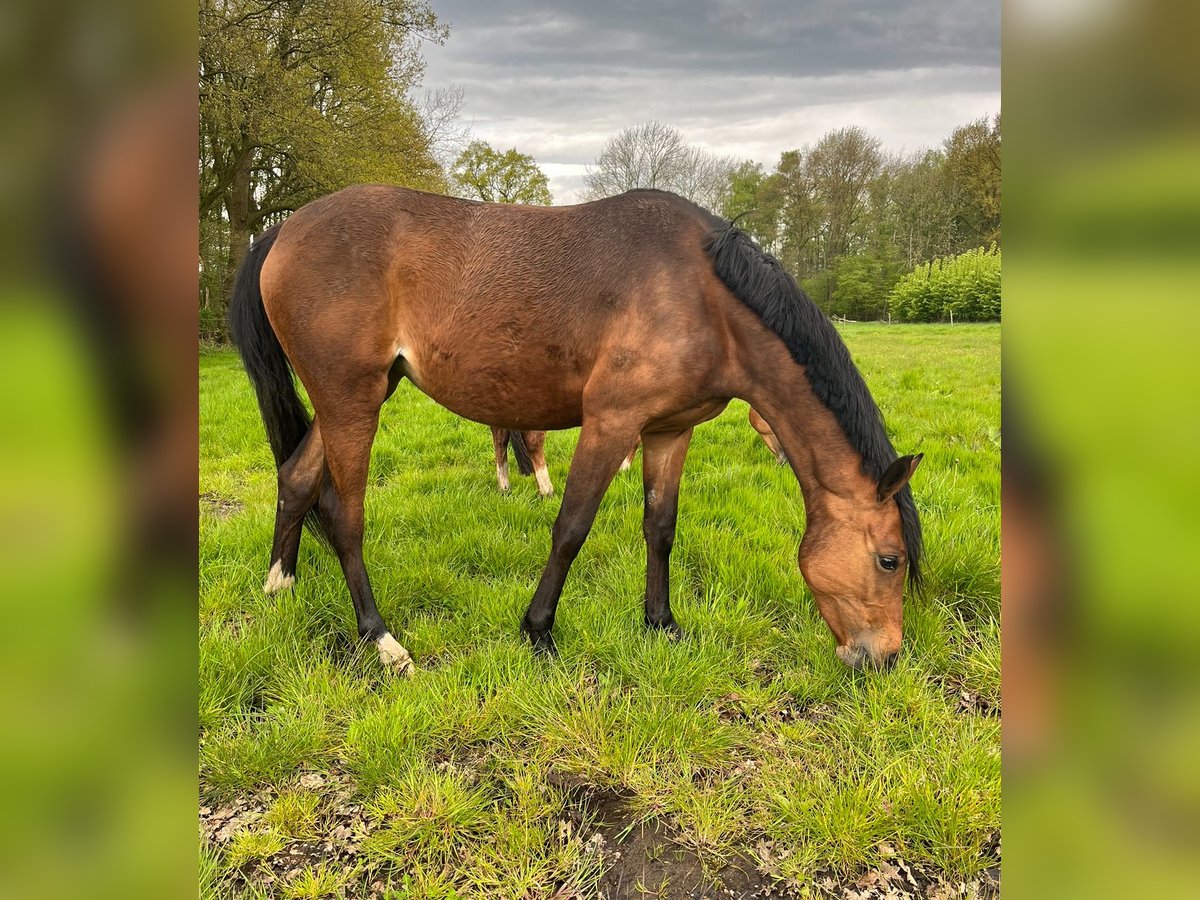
column 641, row 314
column 528, row 448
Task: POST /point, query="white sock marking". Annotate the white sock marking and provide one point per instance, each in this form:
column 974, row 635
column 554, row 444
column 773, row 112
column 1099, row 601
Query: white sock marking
column 393, row 656
column 277, row 581
column 545, row 486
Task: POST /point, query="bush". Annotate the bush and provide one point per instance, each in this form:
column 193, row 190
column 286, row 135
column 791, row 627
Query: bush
column 863, row 285
column 964, row 287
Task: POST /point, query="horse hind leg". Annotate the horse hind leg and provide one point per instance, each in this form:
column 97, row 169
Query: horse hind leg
column 535, row 441
column 759, row 424
column 500, row 444
column 628, row 462
column 299, row 486
column 348, row 432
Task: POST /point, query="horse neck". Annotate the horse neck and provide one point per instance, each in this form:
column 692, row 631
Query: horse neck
column 827, row 467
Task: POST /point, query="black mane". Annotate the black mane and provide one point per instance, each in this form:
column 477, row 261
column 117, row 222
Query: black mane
column 758, row 280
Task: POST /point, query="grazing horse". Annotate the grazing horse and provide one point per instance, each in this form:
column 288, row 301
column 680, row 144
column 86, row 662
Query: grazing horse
column 640, row 314
column 529, row 449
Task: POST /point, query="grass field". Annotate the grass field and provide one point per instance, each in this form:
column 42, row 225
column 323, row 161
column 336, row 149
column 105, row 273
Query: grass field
column 491, row 773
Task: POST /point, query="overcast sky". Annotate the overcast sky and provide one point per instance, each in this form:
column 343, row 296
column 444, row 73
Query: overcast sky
column 741, row 78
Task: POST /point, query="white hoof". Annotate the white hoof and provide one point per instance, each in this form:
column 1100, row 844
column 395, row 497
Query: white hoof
column 393, row 656
column 277, row 581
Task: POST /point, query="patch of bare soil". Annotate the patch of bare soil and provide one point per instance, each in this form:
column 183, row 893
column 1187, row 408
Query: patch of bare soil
column 897, row 880
column 641, row 859
column 219, row 505
column 966, row 700
column 344, row 827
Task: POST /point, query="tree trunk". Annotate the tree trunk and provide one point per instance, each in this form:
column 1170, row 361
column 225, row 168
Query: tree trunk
column 238, row 208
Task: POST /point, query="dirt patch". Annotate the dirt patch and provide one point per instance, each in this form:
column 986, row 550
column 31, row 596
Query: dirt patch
column 641, row 858
column 343, row 826
column 734, row 708
column 966, row 700
column 219, row 505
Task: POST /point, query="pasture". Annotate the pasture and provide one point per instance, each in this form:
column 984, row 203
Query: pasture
column 746, row 754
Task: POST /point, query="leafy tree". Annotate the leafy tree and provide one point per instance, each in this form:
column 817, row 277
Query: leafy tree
column 744, row 198
column 299, row 98
column 792, row 215
column 840, row 168
column 655, row 155
column 972, row 168
column 742, row 192
column 918, row 208
column 862, row 285
column 484, row 173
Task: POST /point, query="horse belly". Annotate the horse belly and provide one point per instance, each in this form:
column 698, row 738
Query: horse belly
column 503, row 389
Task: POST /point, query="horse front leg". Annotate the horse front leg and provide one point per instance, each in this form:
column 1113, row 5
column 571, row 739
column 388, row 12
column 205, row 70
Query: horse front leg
column 662, row 466
column 602, row 446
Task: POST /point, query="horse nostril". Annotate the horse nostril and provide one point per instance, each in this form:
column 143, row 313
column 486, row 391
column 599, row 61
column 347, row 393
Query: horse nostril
column 890, row 660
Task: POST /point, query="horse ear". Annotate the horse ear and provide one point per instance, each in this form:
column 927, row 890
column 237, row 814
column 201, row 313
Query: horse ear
column 897, row 476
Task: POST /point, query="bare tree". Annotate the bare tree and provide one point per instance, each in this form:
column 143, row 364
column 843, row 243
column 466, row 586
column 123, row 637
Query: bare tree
column 655, row 155
column 704, row 177
column 440, row 109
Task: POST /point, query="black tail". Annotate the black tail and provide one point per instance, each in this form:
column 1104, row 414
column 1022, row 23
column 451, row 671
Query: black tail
column 283, row 412
column 521, row 452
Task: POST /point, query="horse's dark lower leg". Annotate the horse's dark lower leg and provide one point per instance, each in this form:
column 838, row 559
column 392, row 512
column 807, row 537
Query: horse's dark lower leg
column 597, row 458
column 662, row 465
column 500, row 443
column 535, row 441
column 348, row 453
column 299, row 485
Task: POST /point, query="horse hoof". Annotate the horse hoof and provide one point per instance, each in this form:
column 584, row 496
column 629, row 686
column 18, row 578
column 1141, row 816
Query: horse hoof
column 394, row 657
column 542, row 641
column 670, row 629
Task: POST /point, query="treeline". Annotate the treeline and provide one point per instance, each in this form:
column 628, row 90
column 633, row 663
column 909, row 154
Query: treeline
column 848, row 220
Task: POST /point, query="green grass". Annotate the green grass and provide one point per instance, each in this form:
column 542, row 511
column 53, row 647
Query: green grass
column 749, row 729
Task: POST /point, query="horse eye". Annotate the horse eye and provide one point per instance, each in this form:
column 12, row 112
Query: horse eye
column 889, row 563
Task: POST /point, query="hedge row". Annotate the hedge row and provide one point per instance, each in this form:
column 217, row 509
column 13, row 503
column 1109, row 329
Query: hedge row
column 962, row 288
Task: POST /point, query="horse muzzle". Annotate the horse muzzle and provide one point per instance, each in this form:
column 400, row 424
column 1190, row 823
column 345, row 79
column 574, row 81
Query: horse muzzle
column 858, row 657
